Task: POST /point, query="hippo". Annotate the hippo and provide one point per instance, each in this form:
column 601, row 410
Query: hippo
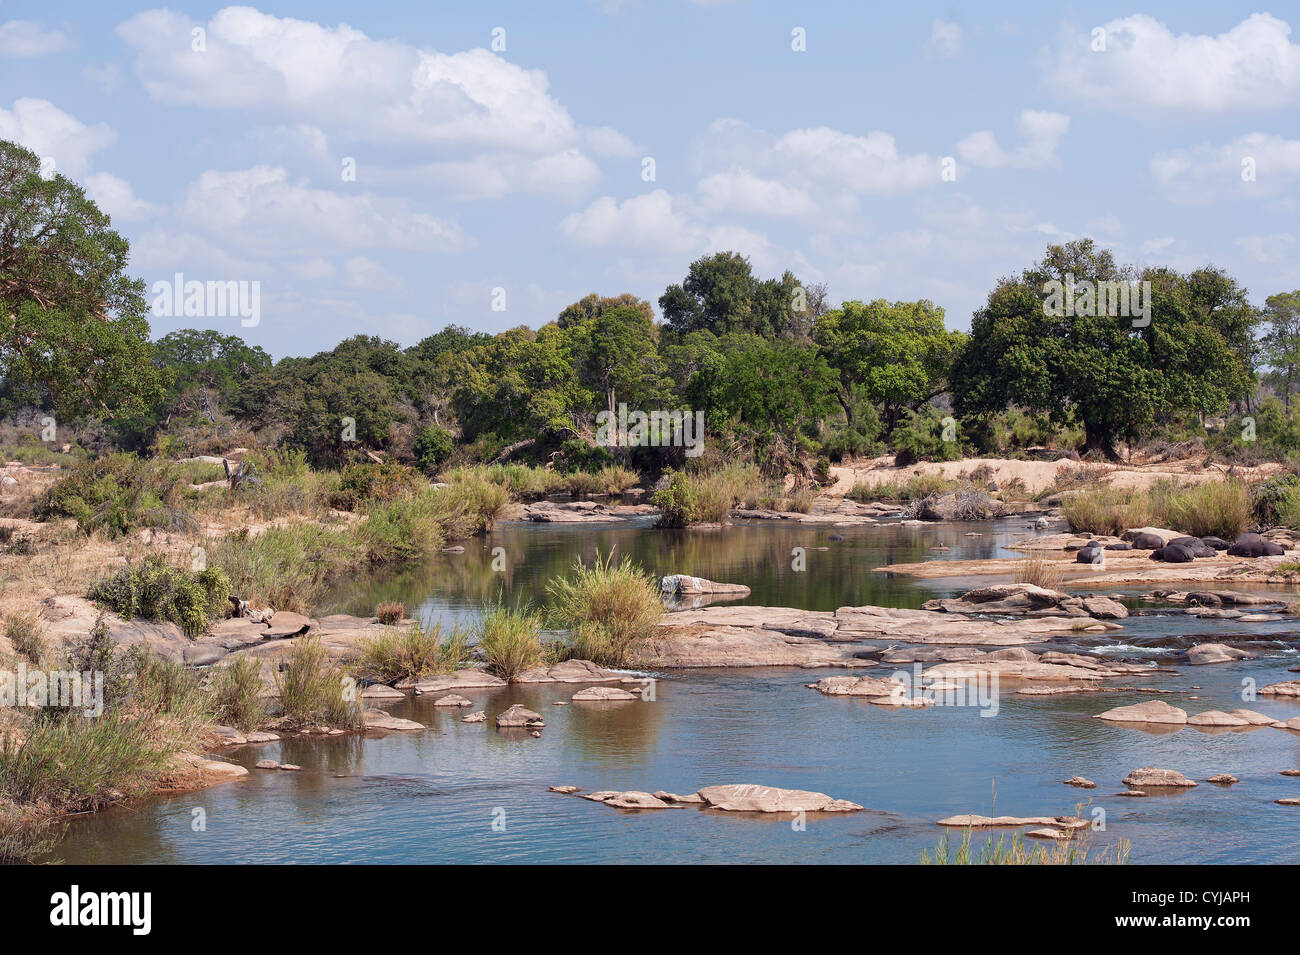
column 1197, row 546
column 1089, row 553
column 1252, row 545
column 1119, row 545
column 1218, row 543
column 1145, row 541
column 836, row 537
column 1174, row 554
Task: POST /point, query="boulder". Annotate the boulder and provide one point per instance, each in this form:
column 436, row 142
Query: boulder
column 602, row 694
column 378, row 691
column 1288, row 690
column 685, row 585
column 570, row 671
column 266, row 764
column 1152, row 711
column 520, row 716
column 752, row 798
column 1253, row 718
column 855, row 686
column 1217, row 718
column 285, row 624
column 1206, row 653
column 379, row 720
column 564, row 789
column 1149, row 777
column 468, row 679
column 479, row 717
column 1224, row 779
column 1081, row 782
column 452, row 699
column 1253, row 545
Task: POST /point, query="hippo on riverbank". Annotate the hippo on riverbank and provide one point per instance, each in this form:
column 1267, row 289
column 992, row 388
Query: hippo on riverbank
column 1218, row 543
column 1197, row 546
column 1174, row 554
column 1089, row 553
column 1147, row 542
column 1252, row 545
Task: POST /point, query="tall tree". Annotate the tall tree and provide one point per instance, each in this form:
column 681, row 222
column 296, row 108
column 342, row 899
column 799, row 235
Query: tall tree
column 71, row 319
column 1281, row 341
column 720, row 294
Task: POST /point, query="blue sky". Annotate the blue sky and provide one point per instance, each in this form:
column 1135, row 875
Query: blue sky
column 522, row 169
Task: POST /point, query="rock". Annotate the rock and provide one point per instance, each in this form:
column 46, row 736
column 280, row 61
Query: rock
column 519, row 715
column 452, row 699
column 468, row 679
column 1152, row 711
column 1290, row 772
column 479, row 717
column 752, row 798
column 378, row 691
column 1081, row 782
column 1253, row 718
column 973, row 821
column 1253, row 545
column 285, row 624
column 564, row 789
column 218, row 770
column 1148, row 777
column 1217, row 718
column 690, row 798
column 290, row 768
column 602, row 694
column 1104, row 608
column 686, row 585
column 635, row 799
column 1288, row 801
column 266, row 764
column 570, row 671
column 379, row 720
column 855, row 686
column 1048, row 834
column 966, row 505
column 1291, row 724
column 1134, row 793
column 1224, row 779
column 203, row 654
column 1287, row 690
column 1205, row 653
column 261, row 736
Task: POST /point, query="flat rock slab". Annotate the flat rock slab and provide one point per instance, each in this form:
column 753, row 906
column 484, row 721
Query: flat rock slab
column 379, row 720
column 686, row 585
column 468, row 679
column 1287, row 690
column 1149, row 777
column 1152, row 711
column 724, row 646
column 378, row 691
column 1206, row 653
column 602, row 694
column 453, row 699
column 1220, row 718
column 570, row 671
column 864, row 686
column 972, row 821
column 752, row 798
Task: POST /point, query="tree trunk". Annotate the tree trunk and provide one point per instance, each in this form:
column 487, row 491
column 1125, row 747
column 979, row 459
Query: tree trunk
column 1096, row 439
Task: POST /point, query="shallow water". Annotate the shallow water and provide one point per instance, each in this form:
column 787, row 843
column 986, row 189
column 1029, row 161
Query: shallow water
column 470, row 793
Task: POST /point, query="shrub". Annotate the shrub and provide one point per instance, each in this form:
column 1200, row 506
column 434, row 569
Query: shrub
column 509, row 641
column 368, row 481
column 118, row 493
column 25, row 632
column 237, row 694
column 1275, row 501
column 1039, row 571
column 390, row 611
column 476, row 504
column 313, row 690
column 912, row 488
column 433, row 447
column 1105, row 511
column 156, row 591
column 611, row 610
column 616, row 479
column 1219, row 508
column 688, row 499
column 287, row 566
column 408, row 529
column 412, row 653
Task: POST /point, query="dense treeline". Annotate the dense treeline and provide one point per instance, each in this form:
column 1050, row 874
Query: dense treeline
column 780, row 376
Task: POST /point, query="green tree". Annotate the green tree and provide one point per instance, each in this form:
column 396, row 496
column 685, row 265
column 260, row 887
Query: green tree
column 71, row 319
column 1281, row 341
column 720, row 294
column 896, row 355
column 616, row 357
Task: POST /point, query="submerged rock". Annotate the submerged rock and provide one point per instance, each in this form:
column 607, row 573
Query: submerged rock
column 1206, row 653
column 453, row 699
column 752, row 798
column 1081, row 782
column 602, row 694
column 379, row 720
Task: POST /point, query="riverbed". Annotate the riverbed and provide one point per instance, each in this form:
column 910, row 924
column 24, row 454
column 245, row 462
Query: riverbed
column 462, row 792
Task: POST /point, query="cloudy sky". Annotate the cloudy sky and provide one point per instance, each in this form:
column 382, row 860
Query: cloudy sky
column 382, row 168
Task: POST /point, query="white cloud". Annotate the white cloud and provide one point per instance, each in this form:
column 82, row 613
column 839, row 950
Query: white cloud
column 945, row 40
column 1145, row 66
column 23, row 38
column 338, row 78
column 740, row 192
column 368, row 275
column 647, row 221
column 261, row 210
column 1205, row 173
column 53, row 134
column 1280, row 247
column 1042, row 133
column 116, row 197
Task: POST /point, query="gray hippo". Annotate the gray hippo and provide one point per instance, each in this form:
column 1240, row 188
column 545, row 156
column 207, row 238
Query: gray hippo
column 1252, row 545
column 1174, row 554
column 1145, row 541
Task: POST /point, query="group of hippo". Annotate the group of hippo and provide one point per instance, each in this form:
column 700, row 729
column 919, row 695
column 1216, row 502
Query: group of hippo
column 1181, row 550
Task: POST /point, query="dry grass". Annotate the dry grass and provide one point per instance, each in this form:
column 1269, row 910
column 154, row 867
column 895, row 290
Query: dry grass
column 1039, row 571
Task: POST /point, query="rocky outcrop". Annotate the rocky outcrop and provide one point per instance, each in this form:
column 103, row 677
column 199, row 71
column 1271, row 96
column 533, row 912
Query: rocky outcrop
column 1152, row 711
column 1029, row 600
column 752, row 798
column 863, row 686
column 1207, row 653
column 973, row 821
column 385, row 722
column 570, row 671
column 1149, row 777
column 1288, row 690
column 1218, row 718
column 468, row 679
column 684, row 585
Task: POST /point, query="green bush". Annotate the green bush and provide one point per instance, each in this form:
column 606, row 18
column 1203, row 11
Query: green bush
column 237, row 698
column 433, row 447
column 364, row 482
column 411, row 653
column 156, row 591
column 509, row 641
column 610, row 610
column 314, row 691
column 119, row 493
column 289, row 566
